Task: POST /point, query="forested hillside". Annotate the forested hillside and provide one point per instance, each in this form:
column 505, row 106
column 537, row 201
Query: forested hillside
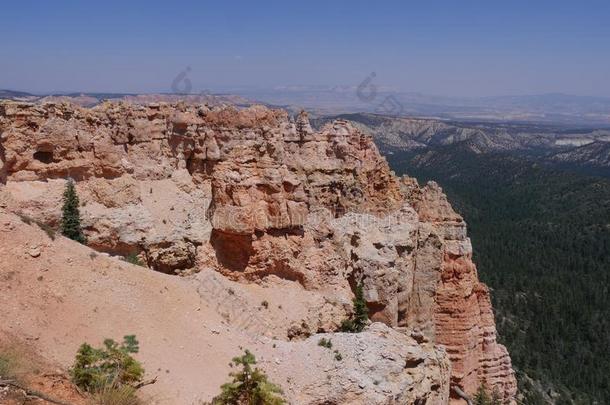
column 541, row 241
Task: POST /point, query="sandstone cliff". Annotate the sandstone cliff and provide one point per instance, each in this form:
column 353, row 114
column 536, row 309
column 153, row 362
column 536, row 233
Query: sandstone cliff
column 260, row 198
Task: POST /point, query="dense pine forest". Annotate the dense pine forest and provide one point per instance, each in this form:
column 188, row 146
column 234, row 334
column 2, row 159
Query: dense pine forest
column 541, row 240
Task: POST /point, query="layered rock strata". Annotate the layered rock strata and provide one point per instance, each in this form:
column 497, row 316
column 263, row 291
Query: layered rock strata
column 257, row 195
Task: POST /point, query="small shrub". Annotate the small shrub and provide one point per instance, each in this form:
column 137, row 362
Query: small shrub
column 249, row 386
column 133, row 258
column 17, row 360
column 348, row 326
column 46, row 228
column 25, row 219
column 482, row 396
column 325, row 343
column 265, row 304
column 338, row 356
column 496, row 398
column 94, row 369
column 360, row 317
column 111, row 395
column 8, row 365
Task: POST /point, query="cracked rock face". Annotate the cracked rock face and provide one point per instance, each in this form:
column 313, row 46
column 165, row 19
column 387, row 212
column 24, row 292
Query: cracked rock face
column 378, row 366
column 254, row 194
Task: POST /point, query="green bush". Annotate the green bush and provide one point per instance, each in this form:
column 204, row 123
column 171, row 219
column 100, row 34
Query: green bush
column 110, row 366
column 249, row 386
column 134, row 259
column 482, row 397
column 325, row 343
column 360, row 317
column 348, row 326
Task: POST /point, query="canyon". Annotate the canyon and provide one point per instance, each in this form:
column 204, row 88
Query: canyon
column 228, row 208
column 579, row 148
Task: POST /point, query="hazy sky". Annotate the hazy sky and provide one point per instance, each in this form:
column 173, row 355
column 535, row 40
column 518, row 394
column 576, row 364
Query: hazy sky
column 454, row 47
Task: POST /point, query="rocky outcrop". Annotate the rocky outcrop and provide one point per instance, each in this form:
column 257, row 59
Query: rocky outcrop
column 259, row 196
column 462, row 313
column 378, row 366
column 191, row 327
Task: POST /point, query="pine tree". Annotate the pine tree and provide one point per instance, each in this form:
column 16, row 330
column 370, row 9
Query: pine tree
column 70, row 218
column 482, row 397
column 110, row 366
column 361, row 313
column 249, row 386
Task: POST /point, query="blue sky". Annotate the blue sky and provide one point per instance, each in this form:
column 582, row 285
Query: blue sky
column 466, row 48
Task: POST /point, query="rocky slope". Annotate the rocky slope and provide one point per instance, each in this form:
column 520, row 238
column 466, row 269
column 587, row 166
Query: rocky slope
column 546, row 143
column 591, row 155
column 57, row 294
column 255, row 197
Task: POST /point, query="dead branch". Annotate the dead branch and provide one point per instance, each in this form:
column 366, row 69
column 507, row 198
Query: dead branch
column 461, row 394
column 144, row 383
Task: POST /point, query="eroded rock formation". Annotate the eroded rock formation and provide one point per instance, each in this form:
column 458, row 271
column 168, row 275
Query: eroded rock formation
column 56, row 294
column 256, row 195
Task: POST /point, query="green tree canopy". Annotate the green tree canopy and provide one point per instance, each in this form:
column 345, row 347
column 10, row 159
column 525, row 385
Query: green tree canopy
column 360, row 317
column 249, row 386
column 70, row 218
column 111, row 365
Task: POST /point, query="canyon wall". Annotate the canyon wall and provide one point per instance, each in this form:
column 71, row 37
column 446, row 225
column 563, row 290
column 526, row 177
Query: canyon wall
column 260, row 197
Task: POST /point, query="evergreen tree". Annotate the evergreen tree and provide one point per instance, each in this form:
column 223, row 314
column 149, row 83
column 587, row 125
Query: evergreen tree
column 110, row 366
column 70, row 218
column 542, row 243
column 482, row 397
column 361, row 313
column 249, row 386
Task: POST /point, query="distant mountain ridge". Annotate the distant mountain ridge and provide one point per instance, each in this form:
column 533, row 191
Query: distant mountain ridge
column 543, row 108
column 551, row 108
column 12, row 94
column 594, row 154
column 93, row 99
column 586, row 148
